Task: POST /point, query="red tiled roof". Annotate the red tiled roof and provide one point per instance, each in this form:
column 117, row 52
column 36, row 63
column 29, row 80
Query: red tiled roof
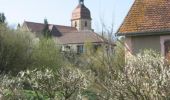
column 147, row 16
column 66, row 34
column 38, row 27
column 80, row 37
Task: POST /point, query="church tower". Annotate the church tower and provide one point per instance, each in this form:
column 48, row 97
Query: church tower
column 81, row 17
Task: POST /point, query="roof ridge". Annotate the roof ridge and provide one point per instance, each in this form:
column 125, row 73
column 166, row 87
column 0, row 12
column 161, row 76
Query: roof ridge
column 48, row 24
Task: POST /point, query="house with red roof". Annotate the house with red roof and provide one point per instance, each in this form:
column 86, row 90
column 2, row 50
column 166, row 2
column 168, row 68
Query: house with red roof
column 147, row 26
column 71, row 37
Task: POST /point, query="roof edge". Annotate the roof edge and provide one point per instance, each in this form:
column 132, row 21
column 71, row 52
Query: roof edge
column 161, row 32
column 80, row 18
column 128, row 13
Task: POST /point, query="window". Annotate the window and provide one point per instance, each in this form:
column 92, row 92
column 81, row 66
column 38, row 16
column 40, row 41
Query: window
column 75, row 24
column 68, row 47
column 80, row 49
column 85, row 24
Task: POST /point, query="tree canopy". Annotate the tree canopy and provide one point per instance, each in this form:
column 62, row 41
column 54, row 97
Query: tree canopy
column 2, row 18
column 46, row 30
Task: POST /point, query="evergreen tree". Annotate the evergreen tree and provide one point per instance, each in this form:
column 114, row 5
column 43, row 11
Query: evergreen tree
column 2, row 18
column 46, row 31
column 19, row 26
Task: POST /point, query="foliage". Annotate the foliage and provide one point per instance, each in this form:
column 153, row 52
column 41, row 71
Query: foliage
column 106, row 64
column 46, row 54
column 42, row 72
column 15, row 49
column 46, row 30
column 2, row 18
column 21, row 50
column 96, row 75
column 149, row 79
column 144, row 77
column 66, row 84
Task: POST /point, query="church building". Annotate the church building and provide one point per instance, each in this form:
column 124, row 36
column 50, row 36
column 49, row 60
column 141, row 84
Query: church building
column 71, row 37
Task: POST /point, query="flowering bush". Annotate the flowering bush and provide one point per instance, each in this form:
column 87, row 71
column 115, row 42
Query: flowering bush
column 68, row 83
column 144, row 77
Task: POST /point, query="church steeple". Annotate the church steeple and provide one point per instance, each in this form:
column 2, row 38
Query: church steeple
column 81, row 17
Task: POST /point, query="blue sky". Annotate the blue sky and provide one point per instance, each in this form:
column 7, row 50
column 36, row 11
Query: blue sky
column 59, row 11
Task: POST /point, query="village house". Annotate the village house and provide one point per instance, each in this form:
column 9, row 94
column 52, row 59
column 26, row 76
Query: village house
column 71, row 37
column 147, row 26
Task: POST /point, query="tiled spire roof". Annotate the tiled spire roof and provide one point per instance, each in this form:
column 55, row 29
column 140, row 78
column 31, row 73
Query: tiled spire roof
column 81, row 12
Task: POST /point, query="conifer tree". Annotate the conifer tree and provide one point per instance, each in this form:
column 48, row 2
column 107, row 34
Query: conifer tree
column 19, row 25
column 46, row 30
column 2, row 18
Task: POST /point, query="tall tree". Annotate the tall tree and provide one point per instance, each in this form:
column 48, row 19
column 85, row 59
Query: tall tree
column 2, row 18
column 46, row 30
column 19, row 26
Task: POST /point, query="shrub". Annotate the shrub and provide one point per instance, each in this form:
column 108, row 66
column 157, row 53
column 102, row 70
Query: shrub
column 147, row 77
column 144, row 77
column 15, row 49
column 66, row 84
column 46, row 54
column 21, row 50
